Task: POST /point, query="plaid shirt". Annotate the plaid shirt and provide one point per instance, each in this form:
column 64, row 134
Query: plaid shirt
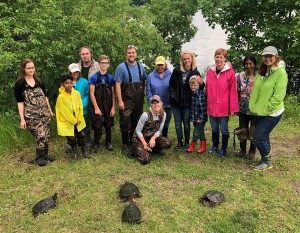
column 198, row 106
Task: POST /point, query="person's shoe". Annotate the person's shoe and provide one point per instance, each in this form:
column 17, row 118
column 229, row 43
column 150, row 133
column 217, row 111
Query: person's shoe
column 186, row 145
column 252, row 150
column 192, row 147
column 265, row 164
column 179, row 145
column 68, row 149
column 49, row 158
column 213, row 150
column 95, row 148
column 221, row 153
column 109, row 147
column 127, row 151
column 85, row 152
column 241, row 154
column 256, row 163
column 202, row 149
column 40, row 162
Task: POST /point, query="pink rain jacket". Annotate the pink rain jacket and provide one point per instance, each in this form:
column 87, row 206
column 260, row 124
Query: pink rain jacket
column 221, row 90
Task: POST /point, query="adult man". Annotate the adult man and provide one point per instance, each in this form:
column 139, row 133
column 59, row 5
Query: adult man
column 130, row 79
column 88, row 66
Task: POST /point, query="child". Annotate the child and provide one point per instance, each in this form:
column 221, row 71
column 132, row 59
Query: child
column 69, row 116
column 102, row 93
column 147, row 136
column 198, row 115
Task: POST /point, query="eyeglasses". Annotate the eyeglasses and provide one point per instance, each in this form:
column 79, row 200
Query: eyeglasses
column 268, row 56
column 131, row 47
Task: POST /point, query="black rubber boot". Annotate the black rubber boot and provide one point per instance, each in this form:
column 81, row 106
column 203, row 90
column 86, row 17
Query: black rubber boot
column 74, row 152
column 215, row 141
column 252, row 150
column 40, row 157
column 186, row 144
column 108, row 144
column 85, row 152
column 179, row 145
column 242, row 152
column 223, row 151
column 47, row 156
column 165, row 132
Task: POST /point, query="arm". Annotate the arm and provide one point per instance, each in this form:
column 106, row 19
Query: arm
column 113, row 108
column 21, row 113
column 64, row 111
column 158, row 132
column 148, row 89
column 138, row 130
column 51, row 113
column 93, row 99
column 85, row 97
column 119, row 95
column 233, row 95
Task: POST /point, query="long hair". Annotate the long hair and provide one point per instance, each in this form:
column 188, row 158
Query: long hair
column 251, row 58
column 22, row 73
column 193, row 61
column 263, row 67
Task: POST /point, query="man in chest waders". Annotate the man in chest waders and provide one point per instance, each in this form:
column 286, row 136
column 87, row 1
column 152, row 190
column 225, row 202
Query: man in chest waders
column 130, row 79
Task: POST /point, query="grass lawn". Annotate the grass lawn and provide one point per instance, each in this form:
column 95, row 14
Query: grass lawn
column 171, row 187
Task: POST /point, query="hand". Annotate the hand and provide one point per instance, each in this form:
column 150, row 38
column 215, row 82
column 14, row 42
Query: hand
column 152, row 143
column 199, row 79
column 52, row 115
column 147, row 148
column 112, row 112
column 78, row 123
column 232, row 114
column 23, row 124
column 98, row 111
column 199, row 121
column 121, row 105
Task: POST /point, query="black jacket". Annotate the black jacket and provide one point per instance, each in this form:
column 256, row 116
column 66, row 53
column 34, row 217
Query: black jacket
column 180, row 93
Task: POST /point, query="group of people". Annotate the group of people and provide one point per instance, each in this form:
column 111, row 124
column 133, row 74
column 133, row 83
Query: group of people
column 88, row 93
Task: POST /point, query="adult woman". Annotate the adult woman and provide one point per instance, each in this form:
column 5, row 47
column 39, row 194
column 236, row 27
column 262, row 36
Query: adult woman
column 147, row 136
column 181, row 96
column 245, row 81
column 158, row 84
column 266, row 101
column 34, row 109
column 222, row 99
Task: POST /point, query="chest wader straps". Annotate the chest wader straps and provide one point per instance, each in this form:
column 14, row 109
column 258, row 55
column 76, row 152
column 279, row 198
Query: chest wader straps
column 99, row 80
column 129, row 74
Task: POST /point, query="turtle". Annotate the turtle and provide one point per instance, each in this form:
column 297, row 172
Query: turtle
column 132, row 214
column 44, row 205
column 212, row 198
column 129, row 190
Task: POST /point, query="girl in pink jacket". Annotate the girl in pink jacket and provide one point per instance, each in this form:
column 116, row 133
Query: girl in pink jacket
column 222, row 99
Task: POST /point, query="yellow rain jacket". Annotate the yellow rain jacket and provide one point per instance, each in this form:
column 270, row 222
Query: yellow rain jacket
column 69, row 111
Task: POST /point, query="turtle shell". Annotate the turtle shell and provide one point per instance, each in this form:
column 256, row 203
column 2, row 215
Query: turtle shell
column 212, row 198
column 129, row 190
column 44, row 205
column 132, row 214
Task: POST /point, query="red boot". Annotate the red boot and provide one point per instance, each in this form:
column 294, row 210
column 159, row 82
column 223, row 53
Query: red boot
column 202, row 149
column 192, row 147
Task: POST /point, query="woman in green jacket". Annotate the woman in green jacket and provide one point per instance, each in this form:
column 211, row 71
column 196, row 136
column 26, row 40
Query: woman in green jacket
column 266, row 102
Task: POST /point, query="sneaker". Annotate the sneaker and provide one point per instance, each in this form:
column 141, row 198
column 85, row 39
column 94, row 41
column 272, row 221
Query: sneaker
column 213, row 150
column 109, row 147
column 255, row 163
column 95, row 148
column 264, row 165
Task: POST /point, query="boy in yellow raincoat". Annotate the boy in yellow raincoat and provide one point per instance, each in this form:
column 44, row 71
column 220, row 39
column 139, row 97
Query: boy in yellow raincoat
column 69, row 116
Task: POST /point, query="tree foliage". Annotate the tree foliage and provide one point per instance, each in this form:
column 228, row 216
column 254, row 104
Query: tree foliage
column 253, row 25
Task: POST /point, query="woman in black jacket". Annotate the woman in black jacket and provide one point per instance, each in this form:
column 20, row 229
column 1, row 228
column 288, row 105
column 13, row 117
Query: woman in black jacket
column 180, row 94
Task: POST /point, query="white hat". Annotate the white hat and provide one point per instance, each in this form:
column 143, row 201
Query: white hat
column 270, row 50
column 74, row 67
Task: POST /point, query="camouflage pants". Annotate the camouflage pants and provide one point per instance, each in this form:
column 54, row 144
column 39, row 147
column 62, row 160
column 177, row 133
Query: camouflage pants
column 39, row 127
column 142, row 155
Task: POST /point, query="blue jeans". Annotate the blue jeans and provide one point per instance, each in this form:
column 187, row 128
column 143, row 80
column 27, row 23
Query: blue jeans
column 182, row 116
column 218, row 123
column 168, row 112
column 263, row 127
column 87, row 130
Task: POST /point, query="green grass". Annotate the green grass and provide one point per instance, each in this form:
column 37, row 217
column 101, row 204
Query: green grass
column 170, row 185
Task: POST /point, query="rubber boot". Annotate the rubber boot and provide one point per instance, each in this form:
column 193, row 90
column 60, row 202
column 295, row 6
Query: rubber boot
column 186, row 144
column 215, row 141
column 165, row 132
column 265, row 164
column 202, row 149
column 222, row 152
column 252, row 150
column 74, row 151
column 242, row 152
column 40, row 157
column 47, row 156
column 108, row 144
column 85, row 152
column 179, row 145
column 192, row 147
